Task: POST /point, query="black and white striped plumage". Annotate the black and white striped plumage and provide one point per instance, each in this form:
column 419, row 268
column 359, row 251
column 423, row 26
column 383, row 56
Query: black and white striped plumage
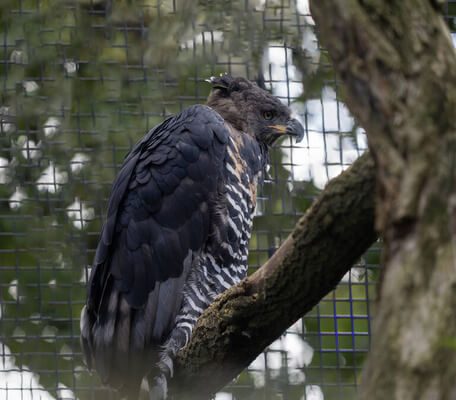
column 177, row 230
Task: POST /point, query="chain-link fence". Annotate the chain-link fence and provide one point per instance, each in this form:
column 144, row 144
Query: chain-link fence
column 81, row 82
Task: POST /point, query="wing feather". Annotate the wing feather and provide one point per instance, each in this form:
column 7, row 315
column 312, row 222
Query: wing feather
column 160, row 208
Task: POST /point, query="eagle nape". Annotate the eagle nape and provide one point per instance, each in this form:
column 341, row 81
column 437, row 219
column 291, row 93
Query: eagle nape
column 177, row 230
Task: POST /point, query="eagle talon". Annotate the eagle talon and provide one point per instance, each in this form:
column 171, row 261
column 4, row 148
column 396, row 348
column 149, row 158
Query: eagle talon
column 158, row 388
column 166, row 364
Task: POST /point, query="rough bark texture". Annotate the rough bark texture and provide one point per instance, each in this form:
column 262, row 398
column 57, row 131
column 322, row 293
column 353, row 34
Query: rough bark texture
column 399, row 68
column 327, row 240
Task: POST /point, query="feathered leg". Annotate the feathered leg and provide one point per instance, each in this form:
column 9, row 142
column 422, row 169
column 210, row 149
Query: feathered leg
column 200, row 291
column 195, row 302
column 158, row 380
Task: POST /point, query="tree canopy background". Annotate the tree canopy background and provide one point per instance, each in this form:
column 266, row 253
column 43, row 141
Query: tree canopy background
column 81, row 82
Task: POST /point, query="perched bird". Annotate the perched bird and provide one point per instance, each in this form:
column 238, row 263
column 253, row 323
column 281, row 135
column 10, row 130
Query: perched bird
column 177, row 230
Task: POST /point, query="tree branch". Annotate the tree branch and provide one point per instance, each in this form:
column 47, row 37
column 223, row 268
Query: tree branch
column 327, row 240
column 398, row 64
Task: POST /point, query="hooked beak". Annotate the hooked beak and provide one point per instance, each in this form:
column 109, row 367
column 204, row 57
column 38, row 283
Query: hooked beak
column 293, row 128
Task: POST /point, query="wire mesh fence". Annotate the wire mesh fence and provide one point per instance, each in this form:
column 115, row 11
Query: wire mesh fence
column 81, row 82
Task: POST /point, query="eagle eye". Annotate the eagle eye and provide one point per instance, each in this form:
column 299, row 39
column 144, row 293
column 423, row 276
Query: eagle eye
column 268, row 115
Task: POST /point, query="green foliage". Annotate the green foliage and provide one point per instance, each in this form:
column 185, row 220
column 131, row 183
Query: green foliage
column 89, row 78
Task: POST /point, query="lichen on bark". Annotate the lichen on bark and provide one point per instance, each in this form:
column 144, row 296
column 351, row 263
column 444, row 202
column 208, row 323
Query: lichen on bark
column 398, row 65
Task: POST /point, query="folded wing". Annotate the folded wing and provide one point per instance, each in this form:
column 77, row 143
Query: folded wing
column 158, row 219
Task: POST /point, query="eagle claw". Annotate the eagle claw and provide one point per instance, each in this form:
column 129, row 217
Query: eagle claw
column 158, row 388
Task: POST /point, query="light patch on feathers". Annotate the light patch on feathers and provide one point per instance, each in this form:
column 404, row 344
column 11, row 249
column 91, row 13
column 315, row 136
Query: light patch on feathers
column 149, row 313
column 103, row 335
column 231, row 170
column 190, row 318
column 84, row 325
column 245, row 190
column 234, row 205
column 208, row 277
column 239, row 165
column 107, row 333
column 197, row 293
column 241, row 198
column 193, row 305
column 83, row 322
column 167, row 363
column 253, row 190
column 123, row 325
column 234, row 227
column 230, row 272
column 222, row 282
column 214, row 264
column 138, row 333
column 186, row 328
column 236, row 137
column 230, row 250
column 184, row 324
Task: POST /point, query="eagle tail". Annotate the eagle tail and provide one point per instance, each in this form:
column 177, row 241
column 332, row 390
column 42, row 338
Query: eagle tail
column 113, row 343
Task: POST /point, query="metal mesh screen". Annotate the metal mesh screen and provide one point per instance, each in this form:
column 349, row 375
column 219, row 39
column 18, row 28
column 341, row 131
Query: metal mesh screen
column 81, row 82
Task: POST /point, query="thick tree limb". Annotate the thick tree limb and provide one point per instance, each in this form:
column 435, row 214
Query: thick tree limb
column 327, row 240
column 399, row 67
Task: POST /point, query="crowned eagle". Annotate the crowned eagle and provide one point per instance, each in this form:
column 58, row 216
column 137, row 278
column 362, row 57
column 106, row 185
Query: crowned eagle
column 177, row 231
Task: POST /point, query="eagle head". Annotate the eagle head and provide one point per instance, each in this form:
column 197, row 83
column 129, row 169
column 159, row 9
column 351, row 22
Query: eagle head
column 252, row 110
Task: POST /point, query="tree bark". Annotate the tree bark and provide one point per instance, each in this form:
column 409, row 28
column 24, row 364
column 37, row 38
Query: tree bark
column 398, row 65
column 328, row 239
